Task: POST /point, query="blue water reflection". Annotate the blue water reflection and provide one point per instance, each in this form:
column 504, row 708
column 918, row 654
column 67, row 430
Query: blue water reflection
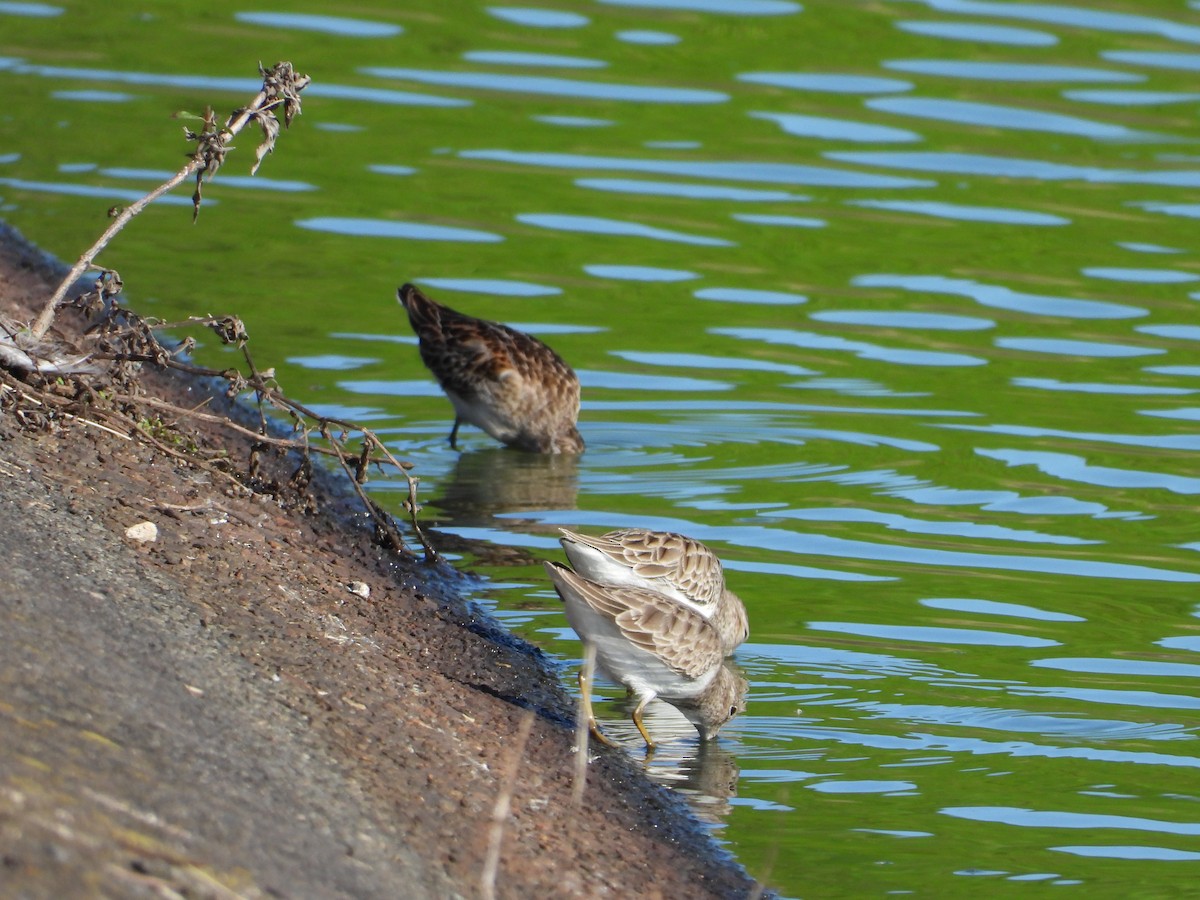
column 1001, row 297
column 493, row 286
column 511, row 58
column 617, row 227
column 780, row 221
column 650, row 38
column 748, row 295
column 538, row 18
column 889, row 319
column 994, row 115
column 692, row 191
column 1011, row 167
column 777, row 173
column 1072, row 16
column 639, row 273
column 413, row 231
column 980, row 34
column 862, row 349
column 34, row 10
column 959, row 212
column 553, row 87
column 837, row 129
column 1070, row 467
column 334, row 25
column 998, row 608
column 728, row 7
column 895, row 522
column 1130, row 98
column 1140, row 276
column 1070, row 347
column 90, row 190
column 996, row 71
column 828, row 83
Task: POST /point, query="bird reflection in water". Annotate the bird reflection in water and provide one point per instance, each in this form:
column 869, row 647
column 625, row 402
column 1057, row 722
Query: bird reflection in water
column 705, row 773
column 488, row 482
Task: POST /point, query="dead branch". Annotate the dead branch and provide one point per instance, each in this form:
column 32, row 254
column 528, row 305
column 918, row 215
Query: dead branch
column 281, row 87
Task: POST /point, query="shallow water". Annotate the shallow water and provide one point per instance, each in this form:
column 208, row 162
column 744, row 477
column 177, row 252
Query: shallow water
column 892, row 304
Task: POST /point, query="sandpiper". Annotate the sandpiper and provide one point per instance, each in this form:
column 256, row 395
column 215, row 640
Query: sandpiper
column 654, row 645
column 502, row 380
column 679, row 567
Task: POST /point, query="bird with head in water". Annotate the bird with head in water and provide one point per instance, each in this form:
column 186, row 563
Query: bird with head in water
column 501, row 380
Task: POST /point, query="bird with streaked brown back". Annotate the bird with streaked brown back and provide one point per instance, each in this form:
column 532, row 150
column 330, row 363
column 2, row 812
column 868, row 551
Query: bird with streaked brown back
column 655, row 645
column 501, row 380
column 679, row 567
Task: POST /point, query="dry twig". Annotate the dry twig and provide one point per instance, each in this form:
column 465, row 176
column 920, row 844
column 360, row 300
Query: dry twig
column 281, row 88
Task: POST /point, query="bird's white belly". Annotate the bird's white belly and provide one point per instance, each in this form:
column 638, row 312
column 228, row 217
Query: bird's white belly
column 624, row 662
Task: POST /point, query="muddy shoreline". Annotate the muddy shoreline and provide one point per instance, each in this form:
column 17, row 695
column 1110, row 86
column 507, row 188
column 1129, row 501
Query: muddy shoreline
column 216, row 714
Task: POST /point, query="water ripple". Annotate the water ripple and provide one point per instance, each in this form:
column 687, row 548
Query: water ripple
column 894, row 522
column 728, row 7
column 977, row 34
column 538, row 18
column 959, row 212
column 998, row 608
column 1030, row 818
column 837, row 129
column 1011, row 167
column 1000, row 297
column 1089, row 387
column 493, row 286
column 1161, row 441
column 778, row 173
column 691, row 191
column 1071, row 16
column 640, row 273
column 413, row 231
column 882, row 318
column 928, row 634
column 993, row 115
column 549, row 60
column 334, row 25
column 862, row 349
column 1015, row 72
column 1069, row 347
column 747, row 295
column 548, row 86
column 827, row 82
column 1069, row 467
column 597, row 225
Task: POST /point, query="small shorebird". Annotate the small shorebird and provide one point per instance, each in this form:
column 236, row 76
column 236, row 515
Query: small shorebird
column 656, row 647
column 502, row 380
column 678, row 567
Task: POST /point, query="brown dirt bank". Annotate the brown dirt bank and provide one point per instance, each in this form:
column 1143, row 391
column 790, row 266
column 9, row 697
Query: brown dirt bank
column 215, row 714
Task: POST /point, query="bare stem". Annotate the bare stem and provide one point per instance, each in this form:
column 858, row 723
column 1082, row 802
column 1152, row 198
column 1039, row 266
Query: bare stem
column 502, row 808
column 280, row 86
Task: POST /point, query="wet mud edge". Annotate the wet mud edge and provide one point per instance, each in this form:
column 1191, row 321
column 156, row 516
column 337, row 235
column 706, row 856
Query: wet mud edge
column 216, row 714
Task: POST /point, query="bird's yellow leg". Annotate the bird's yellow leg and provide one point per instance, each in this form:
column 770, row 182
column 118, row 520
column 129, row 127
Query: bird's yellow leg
column 637, row 720
column 586, row 672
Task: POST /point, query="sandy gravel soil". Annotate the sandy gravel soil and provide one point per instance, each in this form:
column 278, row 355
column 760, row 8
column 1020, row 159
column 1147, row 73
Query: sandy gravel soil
column 214, row 714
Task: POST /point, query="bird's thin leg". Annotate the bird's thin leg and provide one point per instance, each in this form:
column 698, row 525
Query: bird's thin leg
column 637, row 720
column 454, row 433
column 585, row 699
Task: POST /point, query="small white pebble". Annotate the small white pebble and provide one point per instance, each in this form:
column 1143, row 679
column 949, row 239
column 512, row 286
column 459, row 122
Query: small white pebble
column 359, row 587
column 142, row 532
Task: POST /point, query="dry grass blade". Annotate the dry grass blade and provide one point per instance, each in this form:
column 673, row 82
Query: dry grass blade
column 502, row 808
column 582, row 729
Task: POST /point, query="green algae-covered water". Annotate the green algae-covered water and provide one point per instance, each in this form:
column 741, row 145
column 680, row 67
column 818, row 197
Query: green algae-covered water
column 894, row 304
